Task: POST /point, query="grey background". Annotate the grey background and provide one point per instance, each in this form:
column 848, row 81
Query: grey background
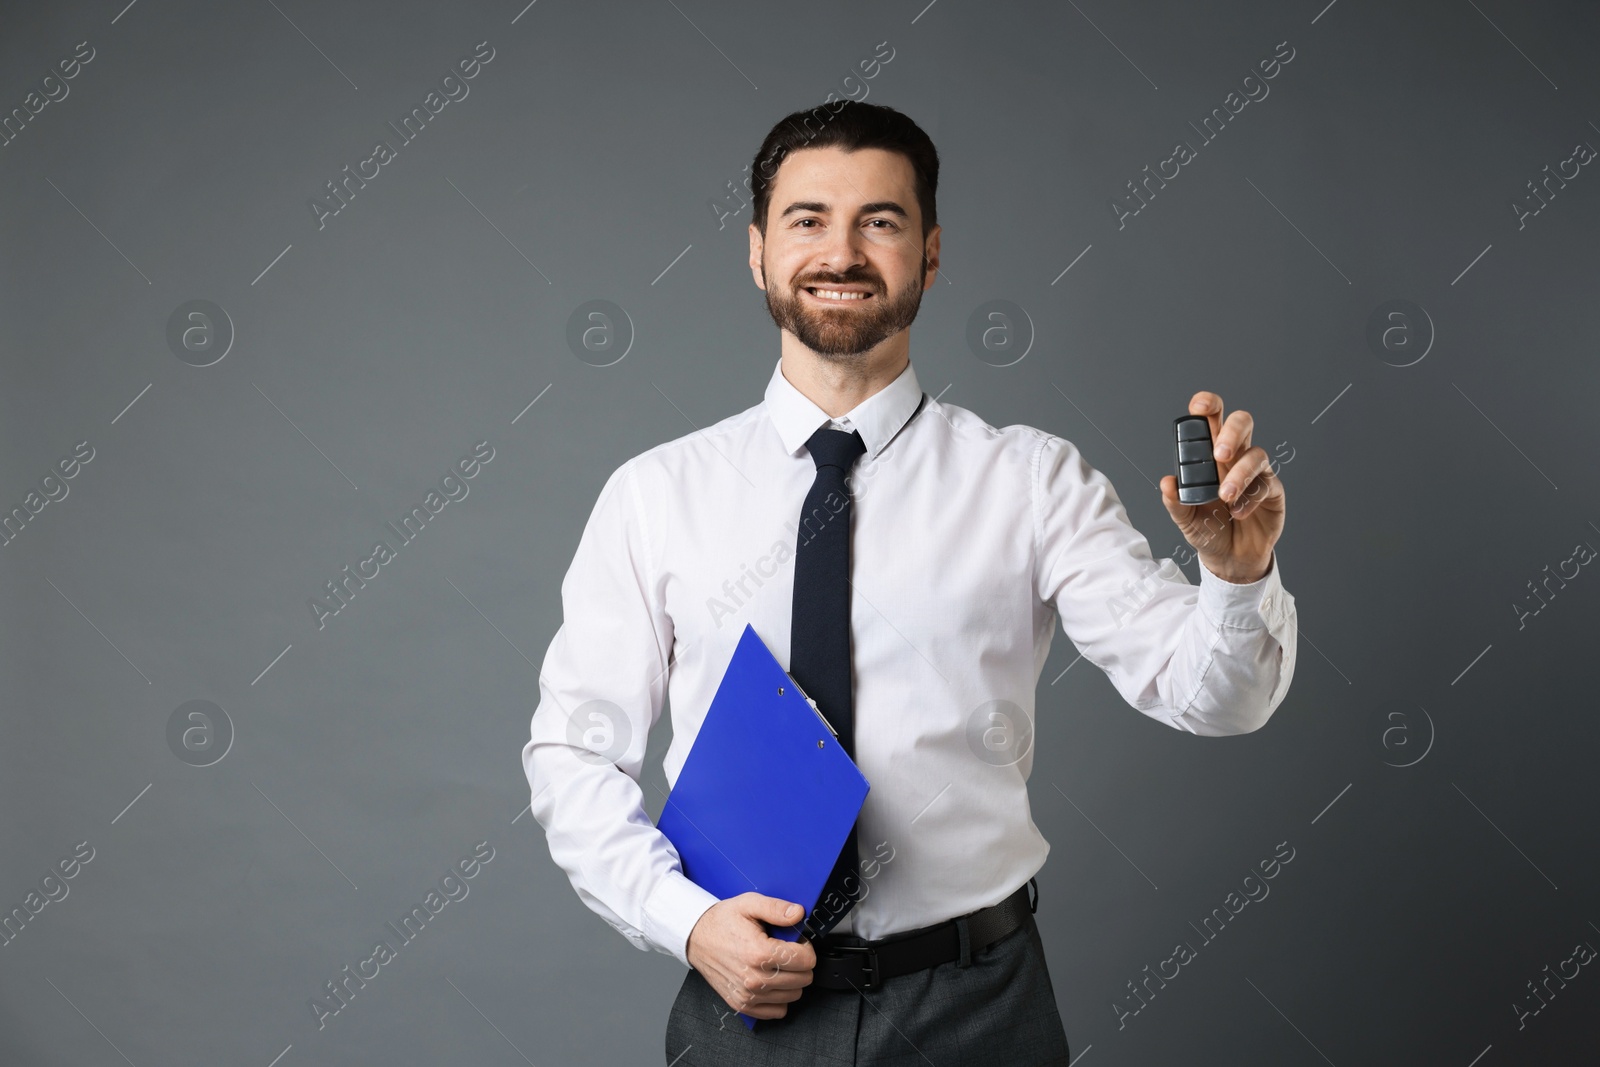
column 370, row 755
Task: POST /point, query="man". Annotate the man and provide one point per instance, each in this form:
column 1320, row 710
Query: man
column 910, row 561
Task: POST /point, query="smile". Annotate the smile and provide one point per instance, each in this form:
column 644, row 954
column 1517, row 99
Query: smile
column 837, row 296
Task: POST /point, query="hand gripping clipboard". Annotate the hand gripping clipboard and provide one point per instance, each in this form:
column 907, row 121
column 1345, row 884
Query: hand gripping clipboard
column 766, row 797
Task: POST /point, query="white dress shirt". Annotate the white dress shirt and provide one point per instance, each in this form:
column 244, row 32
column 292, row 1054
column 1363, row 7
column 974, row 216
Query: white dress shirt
column 967, row 543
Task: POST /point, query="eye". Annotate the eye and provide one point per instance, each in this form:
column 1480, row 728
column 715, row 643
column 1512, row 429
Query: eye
column 887, row 223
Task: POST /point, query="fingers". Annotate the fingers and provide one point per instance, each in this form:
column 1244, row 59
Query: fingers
column 782, row 961
column 1230, row 437
column 761, row 977
column 768, row 963
column 1266, row 487
column 779, row 954
column 759, row 1003
column 1179, row 511
column 796, row 955
column 768, row 978
column 1208, row 404
column 1247, row 481
column 766, row 1011
column 754, row 973
column 770, row 909
column 1234, row 440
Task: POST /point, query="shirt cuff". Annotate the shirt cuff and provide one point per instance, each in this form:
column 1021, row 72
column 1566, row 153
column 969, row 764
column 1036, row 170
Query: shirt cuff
column 1256, row 605
column 670, row 913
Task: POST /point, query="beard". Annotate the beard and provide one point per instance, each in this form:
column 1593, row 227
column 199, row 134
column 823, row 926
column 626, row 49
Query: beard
column 842, row 334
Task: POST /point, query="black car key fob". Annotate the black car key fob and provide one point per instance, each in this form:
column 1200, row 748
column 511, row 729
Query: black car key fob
column 1197, row 467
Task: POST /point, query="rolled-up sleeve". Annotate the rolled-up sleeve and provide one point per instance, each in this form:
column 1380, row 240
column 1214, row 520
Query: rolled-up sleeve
column 1212, row 659
column 601, row 688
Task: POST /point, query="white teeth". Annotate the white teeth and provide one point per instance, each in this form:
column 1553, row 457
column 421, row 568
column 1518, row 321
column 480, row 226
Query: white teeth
column 835, row 294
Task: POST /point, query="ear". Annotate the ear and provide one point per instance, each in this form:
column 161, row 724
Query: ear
column 930, row 252
column 757, row 244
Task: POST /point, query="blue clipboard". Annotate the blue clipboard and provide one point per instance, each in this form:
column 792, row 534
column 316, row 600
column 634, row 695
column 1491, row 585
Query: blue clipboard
column 766, row 797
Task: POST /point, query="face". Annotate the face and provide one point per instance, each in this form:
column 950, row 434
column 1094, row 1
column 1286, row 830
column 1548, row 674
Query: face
column 843, row 261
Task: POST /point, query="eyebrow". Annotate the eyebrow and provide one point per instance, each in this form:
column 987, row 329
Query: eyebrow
column 889, row 206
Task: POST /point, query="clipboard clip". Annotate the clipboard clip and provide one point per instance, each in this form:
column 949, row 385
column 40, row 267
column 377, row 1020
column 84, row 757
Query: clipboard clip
column 811, row 702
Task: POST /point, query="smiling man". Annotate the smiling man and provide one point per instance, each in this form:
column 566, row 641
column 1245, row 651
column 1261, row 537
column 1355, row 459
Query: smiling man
column 933, row 555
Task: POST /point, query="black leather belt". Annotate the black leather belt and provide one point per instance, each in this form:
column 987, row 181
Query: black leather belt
column 848, row 962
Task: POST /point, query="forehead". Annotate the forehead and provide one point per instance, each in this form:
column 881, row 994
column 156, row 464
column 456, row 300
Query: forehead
column 844, row 179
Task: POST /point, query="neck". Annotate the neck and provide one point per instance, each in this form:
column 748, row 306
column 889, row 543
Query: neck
column 837, row 385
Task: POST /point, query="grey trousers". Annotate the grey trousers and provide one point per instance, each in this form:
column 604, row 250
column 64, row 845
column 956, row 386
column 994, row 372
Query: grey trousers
column 999, row 1009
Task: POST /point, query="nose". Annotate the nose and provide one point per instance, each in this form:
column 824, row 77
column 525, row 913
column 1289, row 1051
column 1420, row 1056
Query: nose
column 843, row 252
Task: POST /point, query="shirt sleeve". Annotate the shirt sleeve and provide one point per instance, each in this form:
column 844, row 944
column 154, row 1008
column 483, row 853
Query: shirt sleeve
column 1214, row 659
column 601, row 689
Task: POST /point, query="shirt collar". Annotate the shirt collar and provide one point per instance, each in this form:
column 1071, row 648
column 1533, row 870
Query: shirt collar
column 877, row 418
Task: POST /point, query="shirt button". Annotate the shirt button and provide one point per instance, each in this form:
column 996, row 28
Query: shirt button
column 1266, row 603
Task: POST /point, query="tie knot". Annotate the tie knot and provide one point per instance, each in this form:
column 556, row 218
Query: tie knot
column 835, row 448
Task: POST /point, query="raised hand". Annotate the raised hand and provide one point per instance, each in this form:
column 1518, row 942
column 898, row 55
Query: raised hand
column 1234, row 535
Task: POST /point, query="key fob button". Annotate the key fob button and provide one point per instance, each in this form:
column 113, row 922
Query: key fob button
column 1196, row 464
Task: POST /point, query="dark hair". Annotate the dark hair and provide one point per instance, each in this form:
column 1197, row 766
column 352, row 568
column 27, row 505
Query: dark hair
column 850, row 125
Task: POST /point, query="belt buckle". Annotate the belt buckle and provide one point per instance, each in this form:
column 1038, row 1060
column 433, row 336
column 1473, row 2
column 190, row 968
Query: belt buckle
column 869, row 963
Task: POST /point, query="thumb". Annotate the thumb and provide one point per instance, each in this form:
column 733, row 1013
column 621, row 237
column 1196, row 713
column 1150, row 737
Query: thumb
column 1181, row 513
column 773, row 910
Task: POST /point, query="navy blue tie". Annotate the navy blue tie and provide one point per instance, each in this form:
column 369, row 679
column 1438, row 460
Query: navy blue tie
column 819, row 642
